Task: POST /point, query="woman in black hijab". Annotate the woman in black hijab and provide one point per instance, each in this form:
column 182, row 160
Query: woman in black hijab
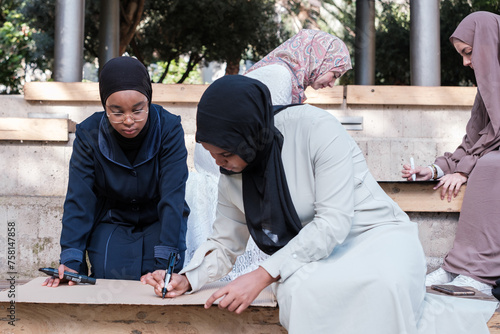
column 298, row 184
column 248, row 132
column 125, row 207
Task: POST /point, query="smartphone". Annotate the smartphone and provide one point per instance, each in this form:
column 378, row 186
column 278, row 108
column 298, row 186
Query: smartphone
column 453, row 290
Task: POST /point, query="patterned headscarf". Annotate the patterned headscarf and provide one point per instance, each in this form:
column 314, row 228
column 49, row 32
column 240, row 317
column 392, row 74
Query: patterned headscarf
column 308, row 55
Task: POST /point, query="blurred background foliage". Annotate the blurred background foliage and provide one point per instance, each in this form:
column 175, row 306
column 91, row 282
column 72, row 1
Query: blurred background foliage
column 176, row 38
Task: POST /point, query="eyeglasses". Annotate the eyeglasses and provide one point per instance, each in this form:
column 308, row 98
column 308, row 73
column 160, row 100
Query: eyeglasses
column 136, row 116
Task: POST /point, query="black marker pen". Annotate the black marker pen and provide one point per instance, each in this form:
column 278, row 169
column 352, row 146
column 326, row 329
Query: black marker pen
column 77, row 278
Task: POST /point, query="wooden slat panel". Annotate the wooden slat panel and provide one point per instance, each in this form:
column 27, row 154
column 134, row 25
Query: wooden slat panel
column 178, row 93
column 390, row 95
column 40, row 129
column 61, row 91
column 89, row 92
column 420, row 197
column 154, row 319
column 411, row 95
column 333, row 95
column 494, row 323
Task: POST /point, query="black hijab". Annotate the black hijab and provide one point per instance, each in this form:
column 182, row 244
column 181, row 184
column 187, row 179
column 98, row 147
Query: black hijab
column 235, row 114
column 124, row 73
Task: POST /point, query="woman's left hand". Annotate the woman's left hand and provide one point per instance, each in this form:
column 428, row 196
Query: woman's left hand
column 241, row 292
column 451, row 184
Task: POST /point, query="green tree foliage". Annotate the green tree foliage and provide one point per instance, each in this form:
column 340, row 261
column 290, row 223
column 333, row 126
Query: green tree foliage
column 392, row 57
column 16, row 46
column 175, row 36
column 339, row 19
column 392, row 42
column 207, row 30
column 202, row 30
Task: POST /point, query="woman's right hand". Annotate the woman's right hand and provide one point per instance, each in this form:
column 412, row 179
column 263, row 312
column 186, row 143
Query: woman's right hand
column 55, row 281
column 421, row 173
column 179, row 284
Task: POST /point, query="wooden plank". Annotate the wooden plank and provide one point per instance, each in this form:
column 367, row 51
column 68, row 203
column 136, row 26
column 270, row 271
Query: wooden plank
column 420, row 197
column 61, row 91
column 494, row 323
column 89, row 92
column 330, row 95
column 125, row 306
column 411, row 95
column 40, row 129
column 99, row 318
column 178, row 93
column 182, row 93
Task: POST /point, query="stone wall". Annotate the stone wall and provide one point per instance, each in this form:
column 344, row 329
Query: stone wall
column 34, row 174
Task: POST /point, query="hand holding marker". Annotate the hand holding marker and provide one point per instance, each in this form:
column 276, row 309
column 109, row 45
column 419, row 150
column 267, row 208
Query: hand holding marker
column 168, row 273
column 412, row 165
column 77, row 278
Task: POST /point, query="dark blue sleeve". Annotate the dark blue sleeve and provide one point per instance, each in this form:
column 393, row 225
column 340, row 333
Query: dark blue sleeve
column 172, row 208
column 80, row 204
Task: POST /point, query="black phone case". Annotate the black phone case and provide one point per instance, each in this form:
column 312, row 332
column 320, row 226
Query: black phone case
column 453, row 290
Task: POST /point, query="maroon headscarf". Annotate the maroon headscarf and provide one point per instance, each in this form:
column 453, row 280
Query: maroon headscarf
column 480, row 30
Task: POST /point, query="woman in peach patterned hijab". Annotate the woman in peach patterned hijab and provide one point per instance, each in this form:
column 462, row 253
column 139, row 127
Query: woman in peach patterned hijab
column 309, row 56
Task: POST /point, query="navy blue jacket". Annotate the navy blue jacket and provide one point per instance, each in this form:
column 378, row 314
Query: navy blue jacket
column 105, row 187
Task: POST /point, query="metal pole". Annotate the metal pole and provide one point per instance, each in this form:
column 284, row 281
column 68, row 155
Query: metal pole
column 364, row 54
column 425, row 54
column 68, row 40
column 109, row 31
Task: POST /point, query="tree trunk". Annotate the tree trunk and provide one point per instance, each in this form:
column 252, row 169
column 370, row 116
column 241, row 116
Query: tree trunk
column 137, row 52
column 130, row 16
column 194, row 59
column 164, row 74
column 233, row 66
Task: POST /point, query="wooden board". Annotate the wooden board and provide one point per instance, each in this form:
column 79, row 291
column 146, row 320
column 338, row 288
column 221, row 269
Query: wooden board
column 411, row 95
column 122, row 306
column 61, row 91
column 420, row 197
column 178, row 93
column 330, row 95
column 40, row 129
column 108, row 291
column 354, row 94
column 178, row 319
column 89, row 92
column 494, row 323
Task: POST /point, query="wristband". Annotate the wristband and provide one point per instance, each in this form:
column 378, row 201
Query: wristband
column 434, row 172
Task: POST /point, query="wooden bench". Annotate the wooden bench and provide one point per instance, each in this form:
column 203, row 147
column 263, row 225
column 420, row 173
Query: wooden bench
column 421, row 197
